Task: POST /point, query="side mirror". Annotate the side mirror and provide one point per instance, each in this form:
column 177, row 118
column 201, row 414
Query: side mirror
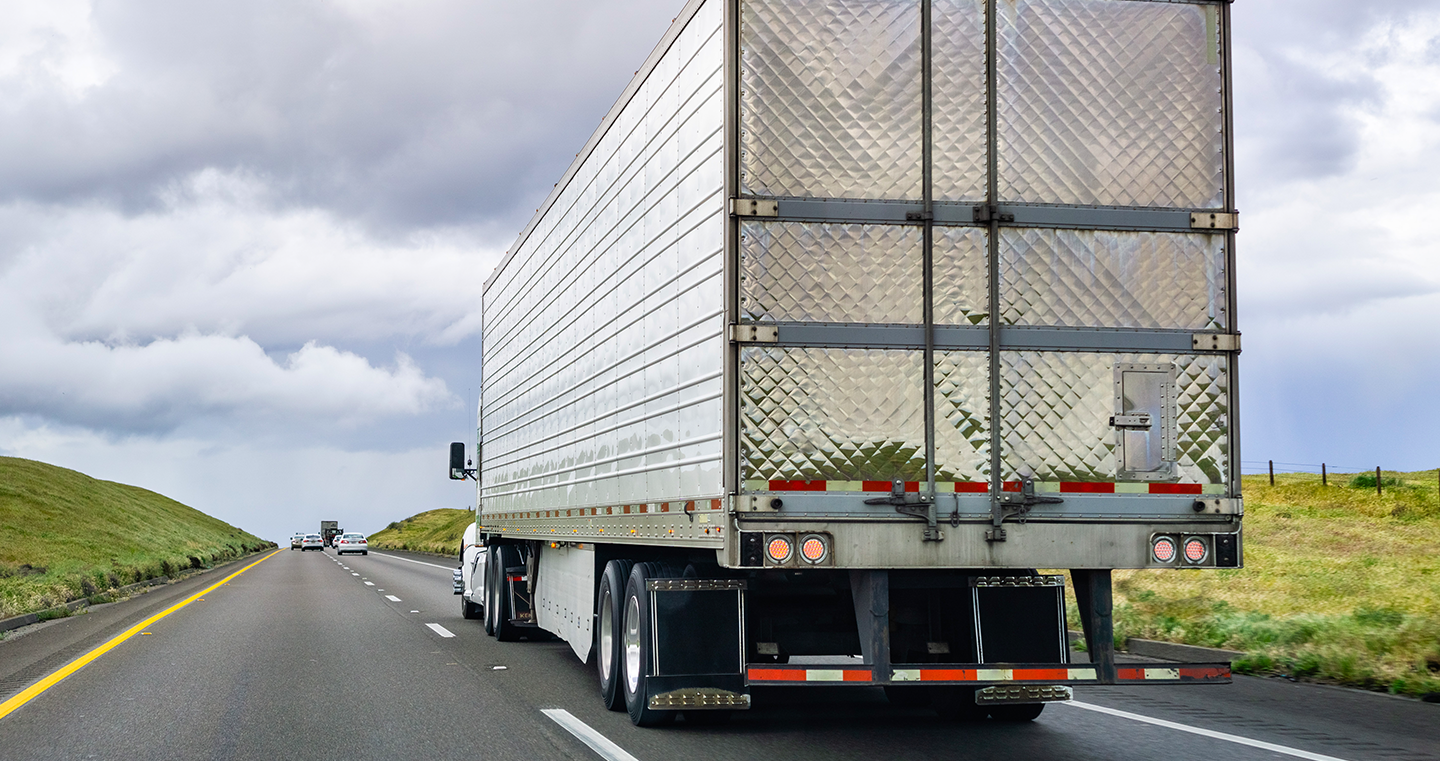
column 457, row 461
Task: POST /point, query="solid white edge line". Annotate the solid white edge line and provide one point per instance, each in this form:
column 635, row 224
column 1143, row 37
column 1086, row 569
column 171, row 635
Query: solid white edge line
column 1238, row 740
column 587, row 734
column 416, row 562
column 442, row 631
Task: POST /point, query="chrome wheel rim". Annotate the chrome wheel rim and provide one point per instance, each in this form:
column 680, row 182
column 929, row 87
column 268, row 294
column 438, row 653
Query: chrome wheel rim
column 607, row 635
column 632, row 644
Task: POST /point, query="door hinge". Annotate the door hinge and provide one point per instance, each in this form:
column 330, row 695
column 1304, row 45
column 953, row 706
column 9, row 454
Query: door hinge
column 1215, row 341
column 754, row 334
column 1214, row 220
column 987, row 212
column 754, row 207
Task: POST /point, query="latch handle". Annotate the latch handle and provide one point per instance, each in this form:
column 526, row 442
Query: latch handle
column 1140, row 421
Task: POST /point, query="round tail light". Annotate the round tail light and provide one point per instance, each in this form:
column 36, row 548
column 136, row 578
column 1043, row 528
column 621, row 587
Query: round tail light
column 814, row 549
column 779, row 548
column 1163, row 549
column 1195, row 550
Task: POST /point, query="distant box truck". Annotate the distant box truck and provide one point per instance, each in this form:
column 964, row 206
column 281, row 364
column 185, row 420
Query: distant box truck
column 329, row 530
column 848, row 318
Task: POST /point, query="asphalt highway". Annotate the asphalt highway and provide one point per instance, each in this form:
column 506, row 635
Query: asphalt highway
column 300, row 657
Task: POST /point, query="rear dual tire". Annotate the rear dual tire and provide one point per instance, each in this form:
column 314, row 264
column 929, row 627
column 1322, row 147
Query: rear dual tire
column 636, row 637
column 609, row 606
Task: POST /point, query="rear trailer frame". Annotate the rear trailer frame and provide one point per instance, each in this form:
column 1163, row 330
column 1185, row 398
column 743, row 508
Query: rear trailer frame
column 874, row 296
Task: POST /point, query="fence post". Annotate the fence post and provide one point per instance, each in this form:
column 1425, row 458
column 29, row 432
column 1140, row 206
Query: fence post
column 1272, row 472
column 1377, row 481
column 1324, row 479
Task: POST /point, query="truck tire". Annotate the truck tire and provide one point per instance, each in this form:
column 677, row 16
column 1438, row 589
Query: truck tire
column 956, row 703
column 1017, row 711
column 636, row 637
column 505, row 630
column 609, row 612
column 488, row 593
column 468, row 610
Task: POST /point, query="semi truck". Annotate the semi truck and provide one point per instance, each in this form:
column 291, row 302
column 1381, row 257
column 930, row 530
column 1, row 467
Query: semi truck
column 859, row 340
column 328, row 531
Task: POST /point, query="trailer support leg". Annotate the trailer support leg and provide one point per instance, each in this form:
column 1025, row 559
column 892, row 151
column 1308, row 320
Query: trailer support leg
column 1093, row 597
column 871, row 591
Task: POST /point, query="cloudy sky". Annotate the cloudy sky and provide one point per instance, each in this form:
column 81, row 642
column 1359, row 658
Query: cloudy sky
column 242, row 243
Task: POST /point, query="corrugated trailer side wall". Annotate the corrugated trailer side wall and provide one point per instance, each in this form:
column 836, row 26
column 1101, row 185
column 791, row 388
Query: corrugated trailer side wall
column 604, row 344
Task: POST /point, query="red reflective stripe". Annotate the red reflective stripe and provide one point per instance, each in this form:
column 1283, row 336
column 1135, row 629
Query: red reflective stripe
column 970, row 487
column 797, row 486
column 1048, row 675
column 1132, row 673
column 1210, row 672
column 1084, row 487
column 857, row 676
column 875, row 486
column 777, row 675
column 947, row 675
column 1176, row 489
column 1011, row 486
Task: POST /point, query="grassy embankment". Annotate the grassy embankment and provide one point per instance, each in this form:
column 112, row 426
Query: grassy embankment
column 1339, row 585
column 438, row 531
column 64, row 536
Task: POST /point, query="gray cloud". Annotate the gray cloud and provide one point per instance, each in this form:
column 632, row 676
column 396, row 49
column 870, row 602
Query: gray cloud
column 401, row 115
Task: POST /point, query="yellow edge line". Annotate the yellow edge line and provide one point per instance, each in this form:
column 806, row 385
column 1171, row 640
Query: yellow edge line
column 34, row 690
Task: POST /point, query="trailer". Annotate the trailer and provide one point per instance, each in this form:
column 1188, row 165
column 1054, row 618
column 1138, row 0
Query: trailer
column 328, row 531
column 854, row 331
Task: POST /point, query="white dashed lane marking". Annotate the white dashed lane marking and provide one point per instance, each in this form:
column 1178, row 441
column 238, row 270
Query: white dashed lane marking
column 599, row 743
column 1238, row 740
column 442, row 631
column 392, row 598
column 369, row 583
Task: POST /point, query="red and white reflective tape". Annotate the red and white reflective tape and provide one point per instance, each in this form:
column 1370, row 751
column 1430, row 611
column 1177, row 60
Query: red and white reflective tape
column 975, row 487
column 1176, row 674
column 809, row 675
column 1049, row 675
column 1044, row 675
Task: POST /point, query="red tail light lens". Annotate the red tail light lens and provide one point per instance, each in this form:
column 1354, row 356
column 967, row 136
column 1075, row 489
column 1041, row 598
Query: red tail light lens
column 1163, row 549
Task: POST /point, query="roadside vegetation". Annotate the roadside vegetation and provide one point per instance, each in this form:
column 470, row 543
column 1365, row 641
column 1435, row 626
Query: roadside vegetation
column 436, row 531
column 1339, row 585
column 65, row 536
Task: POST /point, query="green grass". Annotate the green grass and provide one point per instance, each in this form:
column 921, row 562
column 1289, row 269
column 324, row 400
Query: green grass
column 1339, row 585
column 438, row 531
column 64, row 535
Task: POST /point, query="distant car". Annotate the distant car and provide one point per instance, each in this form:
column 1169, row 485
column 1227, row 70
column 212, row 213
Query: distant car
column 296, row 541
column 312, row 542
column 352, row 543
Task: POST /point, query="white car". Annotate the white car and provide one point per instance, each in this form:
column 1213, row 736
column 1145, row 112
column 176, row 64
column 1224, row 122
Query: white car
column 312, row 542
column 297, row 540
column 351, row 543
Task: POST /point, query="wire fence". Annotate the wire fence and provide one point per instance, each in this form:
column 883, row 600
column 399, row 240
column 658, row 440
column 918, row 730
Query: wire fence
column 1326, row 471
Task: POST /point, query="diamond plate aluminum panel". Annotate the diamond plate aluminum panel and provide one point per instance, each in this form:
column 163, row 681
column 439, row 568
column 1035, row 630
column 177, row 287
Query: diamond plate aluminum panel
column 1056, row 408
column 798, row 271
column 830, row 98
column 962, row 416
column 962, row 281
column 1111, row 103
column 831, row 414
column 1084, row 278
column 958, row 128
